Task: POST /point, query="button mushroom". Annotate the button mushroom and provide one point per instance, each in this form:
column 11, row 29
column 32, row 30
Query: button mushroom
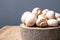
column 58, row 19
column 30, row 20
column 50, row 15
column 36, row 11
column 52, row 22
column 41, row 21
column 24, row 16
column 44, row 12
column 57, row 15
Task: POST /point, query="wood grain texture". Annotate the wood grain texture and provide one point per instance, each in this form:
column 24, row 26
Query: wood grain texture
column 10, row 33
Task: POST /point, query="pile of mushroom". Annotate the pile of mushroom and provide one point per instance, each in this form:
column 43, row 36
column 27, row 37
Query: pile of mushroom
column 41, row 18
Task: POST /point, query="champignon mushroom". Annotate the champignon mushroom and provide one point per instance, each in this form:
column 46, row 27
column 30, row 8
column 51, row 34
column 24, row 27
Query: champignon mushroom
column 45, row 11
column 30, row 20
column 50, row 15
column 58, row 19
column 57, row 15
column 41, row 16
column 24, row 16
column 52, row 22
column 36, row 11
column 41, row 21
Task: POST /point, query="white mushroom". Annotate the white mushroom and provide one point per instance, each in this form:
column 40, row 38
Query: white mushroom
column 41, row 21
column 57, row 15
column 30, row 20
column 50, row 15
column 58, row 19
column 41, row 16
column 36, row 11
column 52, row 22
column 45, row 11
column 24, row 16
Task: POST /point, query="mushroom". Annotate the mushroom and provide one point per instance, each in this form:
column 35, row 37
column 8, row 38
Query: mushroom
column 52, row 22
column 30, row 20
column 58, row 19
column 50, row 15
column 24, row 16
column 41, row 16
column 57, row 15
column 41, row 21
column 36, row 11
column 44, row 12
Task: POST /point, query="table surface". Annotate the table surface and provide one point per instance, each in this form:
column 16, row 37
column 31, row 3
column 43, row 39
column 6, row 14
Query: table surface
column 10, row 33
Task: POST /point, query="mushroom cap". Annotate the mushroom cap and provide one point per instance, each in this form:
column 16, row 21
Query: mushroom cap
column 30, row 20
column 57, row 15
column 41, row 16
column 58, row 19
column 41, row 21
column 36, row 11
column 24, row 16
column 43, row 24
column 45, row 11
column 52, row 22
column 50, row 15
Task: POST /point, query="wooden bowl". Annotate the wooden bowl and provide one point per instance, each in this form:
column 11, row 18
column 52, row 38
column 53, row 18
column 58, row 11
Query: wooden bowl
column 34, row 33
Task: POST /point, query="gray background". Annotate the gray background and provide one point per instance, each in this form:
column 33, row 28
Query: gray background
column 11, row 10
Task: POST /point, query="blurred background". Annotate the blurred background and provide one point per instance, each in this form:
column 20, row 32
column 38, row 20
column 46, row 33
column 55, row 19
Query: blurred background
column 11, row 10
